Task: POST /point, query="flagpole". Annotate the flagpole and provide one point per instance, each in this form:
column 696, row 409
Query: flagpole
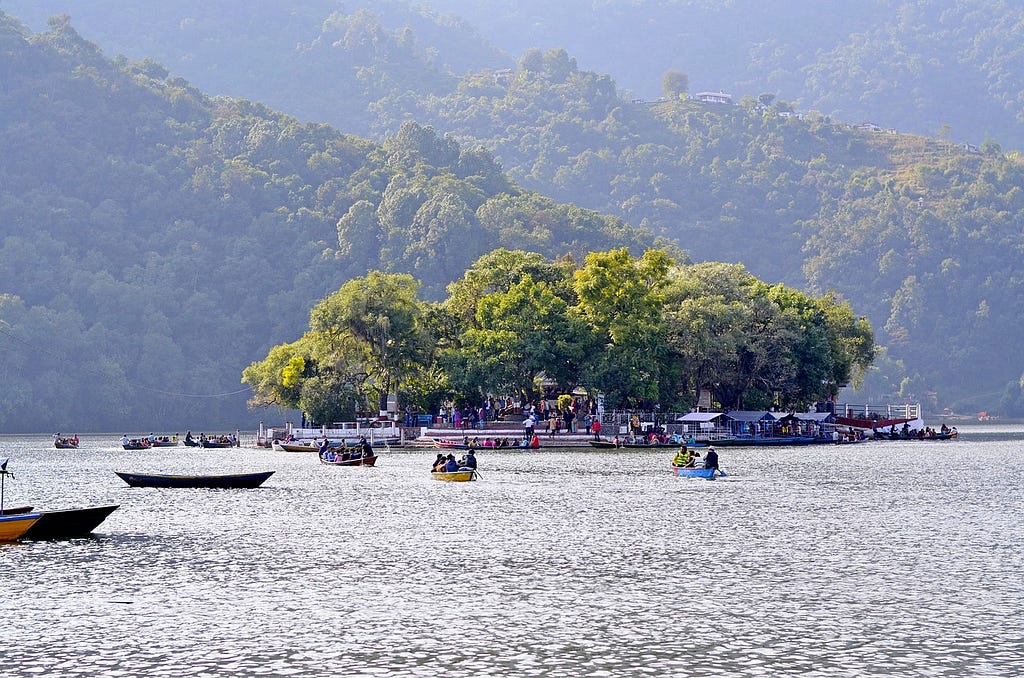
column 3, row 477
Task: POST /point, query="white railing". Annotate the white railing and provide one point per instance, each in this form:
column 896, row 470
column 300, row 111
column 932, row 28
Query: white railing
column 348, row 431
column 898, row 411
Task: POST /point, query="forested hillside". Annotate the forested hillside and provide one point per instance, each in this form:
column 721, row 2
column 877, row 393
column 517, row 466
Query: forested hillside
column 154, row 241
column 920, row 233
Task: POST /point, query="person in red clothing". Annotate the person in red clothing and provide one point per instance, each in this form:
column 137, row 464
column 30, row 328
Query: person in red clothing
column 596, row 428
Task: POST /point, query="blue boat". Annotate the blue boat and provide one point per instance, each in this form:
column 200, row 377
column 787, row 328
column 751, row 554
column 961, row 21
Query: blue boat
column 691, row 472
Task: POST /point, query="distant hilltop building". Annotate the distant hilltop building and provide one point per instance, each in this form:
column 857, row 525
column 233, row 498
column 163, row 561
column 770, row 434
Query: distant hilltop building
column 713, row 97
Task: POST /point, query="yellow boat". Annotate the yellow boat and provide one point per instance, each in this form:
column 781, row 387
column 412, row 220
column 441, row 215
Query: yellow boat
column 460, row 476
column 14, row 526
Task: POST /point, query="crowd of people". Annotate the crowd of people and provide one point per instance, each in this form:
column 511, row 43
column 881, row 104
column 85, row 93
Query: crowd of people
column 580, row 415
column 500, row 443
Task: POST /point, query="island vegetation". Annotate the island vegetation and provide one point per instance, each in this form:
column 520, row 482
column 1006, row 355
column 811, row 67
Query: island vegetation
column 638, row 331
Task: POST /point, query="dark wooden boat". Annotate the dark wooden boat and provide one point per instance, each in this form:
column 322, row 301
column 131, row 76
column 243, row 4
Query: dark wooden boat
column 291, row 447
column 232, row 481
column 215, row 444
column 358, row 461
column 163, row 443
column 15, row 510
column 603, row 444
column 190, row 442
column 68, row 523
column 449, row 444
column 914, row 436
column 65, row 444
column 135, row 445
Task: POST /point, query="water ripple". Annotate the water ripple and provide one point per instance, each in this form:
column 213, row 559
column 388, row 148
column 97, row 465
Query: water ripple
column 888, row 559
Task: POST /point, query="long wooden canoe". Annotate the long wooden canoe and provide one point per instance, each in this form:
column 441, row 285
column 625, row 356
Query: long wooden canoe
column 232, row 481
column 290, row 447
column 68, row 523
column 358, row 461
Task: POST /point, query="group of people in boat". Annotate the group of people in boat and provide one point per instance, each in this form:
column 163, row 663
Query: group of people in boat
column 61, row 441
column 448, row 464
column 927, row 433
column 152, row 440
column 362, row 450
column 690, row 458
column 499, row 443
column 654, row 438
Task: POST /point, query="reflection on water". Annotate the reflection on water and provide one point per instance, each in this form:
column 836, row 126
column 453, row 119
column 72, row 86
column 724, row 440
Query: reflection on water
column 884, row 558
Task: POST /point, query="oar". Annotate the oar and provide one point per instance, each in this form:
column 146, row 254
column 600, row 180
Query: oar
column 722, row 473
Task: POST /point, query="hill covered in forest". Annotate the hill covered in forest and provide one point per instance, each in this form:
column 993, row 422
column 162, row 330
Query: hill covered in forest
column 921, row 234
column 155, row 241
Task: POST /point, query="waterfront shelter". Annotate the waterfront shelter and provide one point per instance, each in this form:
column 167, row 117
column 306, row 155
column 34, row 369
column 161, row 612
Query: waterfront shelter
column 750, row 422
column 700, row 422
column 814, row 423
column 816, row 417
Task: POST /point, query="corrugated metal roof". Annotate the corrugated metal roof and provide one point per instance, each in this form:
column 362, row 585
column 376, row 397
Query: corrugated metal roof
column 750, row 415
column 699, row 416
column 814, row 416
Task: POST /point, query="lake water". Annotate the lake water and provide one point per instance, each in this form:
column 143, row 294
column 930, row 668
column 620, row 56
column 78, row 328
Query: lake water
column 887, row 558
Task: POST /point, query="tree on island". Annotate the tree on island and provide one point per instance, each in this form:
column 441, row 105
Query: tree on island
column 633, row 328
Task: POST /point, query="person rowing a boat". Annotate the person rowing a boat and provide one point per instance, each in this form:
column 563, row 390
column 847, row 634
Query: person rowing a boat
column 711, row 459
